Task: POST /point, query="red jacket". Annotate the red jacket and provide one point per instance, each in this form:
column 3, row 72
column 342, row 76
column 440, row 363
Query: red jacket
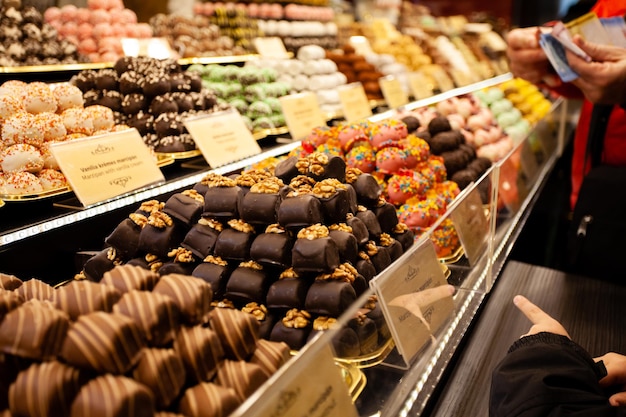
column 615, row 139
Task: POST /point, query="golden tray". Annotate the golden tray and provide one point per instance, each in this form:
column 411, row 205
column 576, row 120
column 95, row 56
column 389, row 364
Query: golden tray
column 454, row 257
column 178, row 155
column 36, row 196
column 371, row 359
column 354, row 377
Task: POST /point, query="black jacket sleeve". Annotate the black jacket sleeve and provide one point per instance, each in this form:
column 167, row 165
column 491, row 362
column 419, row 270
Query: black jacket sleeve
column 549, row 375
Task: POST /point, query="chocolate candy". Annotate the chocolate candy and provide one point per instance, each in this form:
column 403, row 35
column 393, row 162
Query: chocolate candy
column 272, row 248
column 293, row 329
column 323, row 166
column 329, row 297
column 379, row 255
column 156, row 315
column 316, row 255
column 359, row 229
column 366, row 330
column 163, row 372
column 243, row 377
column 113, row 396
column 387, row 216
column 404, row 235
column 192, row 295
column 249, row 282
column 445, row 141
column 129, row 277
column 45, row 390
column 125, row 238
column 265, row 318
column 346, row 244
column 367, row 189
column 270, row 356
column 223, row 203
column 438, row 124
column 237, row 330
column 371, row 223
column 260, row 208
column 336, row 207
column 234, row 244
column 42, row 335
column 8, row 302
column 200, row 240
column 9, row 282
column 287, row 293
column 300, row 211
column 286, row 169
column 208, row 399
column 345, row 342
column 84, row 297
column 35, row 289
column 160, row 235
column 200, row 350
column 103, row 342
column 186, row 207
column 365, row 267
column 96, row 266
column 216, row 272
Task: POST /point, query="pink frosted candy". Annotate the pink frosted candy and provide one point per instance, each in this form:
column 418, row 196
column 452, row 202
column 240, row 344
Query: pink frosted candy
column 116, row 5
column 119, row 30
column 477, row 121
column 99, row 16
column 102, row 30
column 145, row 30
column 197, row 8
column 465, row 107
column 94, row 57
column 457, row 121
column 68, row 29
column 349, row 135
column 253, row 9
column 276, row 11
column 110, row 44
column 132, row 31
column 116, row 17
column 84, row 31
column 68, row 13
column 390, row 160
column 109, row 56
column 83, row 15
column 51, row 14
column 128, row 16
column 97, row 4
column 447, row 107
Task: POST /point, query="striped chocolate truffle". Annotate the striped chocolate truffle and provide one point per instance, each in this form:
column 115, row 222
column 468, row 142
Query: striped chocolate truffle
column 103, row 342
column 201, row 351
column 130, row 277
column 243, row 377
column 163, row 372
column 84, row 297
column 35, row 289
column 237, row 330
column 208, row 400
column 45, row 390
column 156, row 315
column 113, row 396
column 270, row 356
column 8, row 301
column 192, row 295
column 34, row 330
column 9, row 282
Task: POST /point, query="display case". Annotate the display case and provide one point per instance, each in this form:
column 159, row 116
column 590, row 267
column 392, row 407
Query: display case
column 48, row 238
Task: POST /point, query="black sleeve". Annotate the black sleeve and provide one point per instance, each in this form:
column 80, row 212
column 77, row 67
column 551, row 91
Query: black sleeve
column 549, row 375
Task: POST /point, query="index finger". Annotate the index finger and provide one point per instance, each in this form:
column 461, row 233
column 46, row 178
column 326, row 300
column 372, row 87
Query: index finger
column 531, row 311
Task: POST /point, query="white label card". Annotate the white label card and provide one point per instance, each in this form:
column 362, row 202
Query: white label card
column 271, row 47
column 471, row 225
column 415, row 298
column 421, row 87
column 311, row 386
column 354, row 102
column 102, row 167
column 158, row 48
column 302, row 114
column 222, row 137
column 394, row 94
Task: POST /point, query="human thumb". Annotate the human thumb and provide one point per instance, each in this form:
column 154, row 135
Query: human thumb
column 618, row 400
column 599, row 52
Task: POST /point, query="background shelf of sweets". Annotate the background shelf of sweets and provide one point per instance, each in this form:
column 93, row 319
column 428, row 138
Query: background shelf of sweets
column 411, row 162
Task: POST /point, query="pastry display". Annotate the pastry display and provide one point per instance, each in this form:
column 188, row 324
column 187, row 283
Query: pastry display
column 356, row 68
column 194, row 37
column 236, row 24
column 153, row 96
column 146, row 351
column 97, row 30
column 29, row 40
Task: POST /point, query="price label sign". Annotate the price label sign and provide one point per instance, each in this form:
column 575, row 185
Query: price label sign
column 102, row 167
column 302, row 114
column 415, row 298
column 271, row 47
column 158, row 48
column 421, row 87
column 394, row 94
column 222, row 137
column 354, row 102
column 470, row 222
column 312, row 386
column 442, row 79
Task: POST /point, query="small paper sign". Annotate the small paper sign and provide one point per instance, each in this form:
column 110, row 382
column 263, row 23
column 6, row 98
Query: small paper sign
column 102, row 167
column 421, row 87
column 158, row 48
column 471, row 225
column 442, row 79
column 271, row 47
column 394, row 94
column 222, row 137
column 312, row 386
column 302, row 114
column 354, row 102
column 415, row 299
